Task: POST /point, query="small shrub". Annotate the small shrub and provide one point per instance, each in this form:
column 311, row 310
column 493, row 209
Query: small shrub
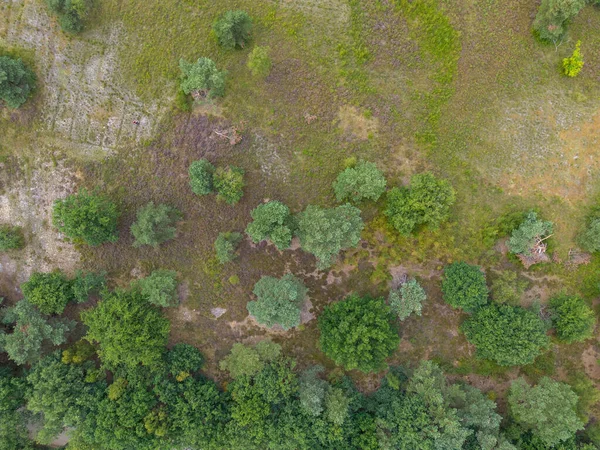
column 271, row 221
column 408, row 299
column 364, row 181
column 573, row 64
column 202, row 78
column 201, row 177
column 508, row 288
column 17, row 81
column 88, row 218
column 50, row 292
column 278, row 301
column 154, row 225
column 259, row 61
column 464, row 286
column 573, row 319
column 233, row 29
column 87, row 282
column 531, row 230
column 226, row 246
column 11, row 238
column 590, row 239
column 229, row 184
column 71, row 13
column 159, row 288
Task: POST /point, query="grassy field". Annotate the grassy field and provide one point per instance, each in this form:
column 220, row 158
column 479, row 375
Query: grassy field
column 457, row 87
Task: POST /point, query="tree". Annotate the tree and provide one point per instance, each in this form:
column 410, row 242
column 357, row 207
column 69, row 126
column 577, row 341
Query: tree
column 590, row 238
column 184, row 359
column 361, row 182
column 548, row 409
column 259, row 61
column 88, row 218
column 407, row 299
column 201, row 177
column 13, row 419
column 574, row 63
column 17, row 81
column 272, row 221
column 358, row 333
column 552, row 17
column 71, row 13
column 464, row 286
column 11, row 238
column 86, row 283
column 529, row 234
column 426, row 202
column 336, row 406
column 159, row 288
column 226, row 246
column 279, row 301
column 229, row 184
column 248, row 361
column 202, row 78
column 128, row 330
column 508, row 335
column 325, row 232
column 312, row 390
column 31, row 332
column 232, row 29
column 508, row 288
column 155, row 225
column 573, row 318
column 50, row 292
column 80, row 352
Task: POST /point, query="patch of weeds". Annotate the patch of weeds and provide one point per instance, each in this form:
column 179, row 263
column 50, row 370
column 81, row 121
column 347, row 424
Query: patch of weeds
column 544, row 365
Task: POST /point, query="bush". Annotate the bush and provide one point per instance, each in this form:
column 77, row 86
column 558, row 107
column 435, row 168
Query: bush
column 259, row 61
column 154, row 225
column 358, row 333
column 508, row 288
column 88, row 218
column 201, row 177
column 464, row 286
column 573, row 319
column 426, row 202
column 364, row 181
column 508, row 335
column 226, row 246
column 408, row 299
column 325, row 232
column 50, row 292
column 232, row 29
column 17, row 81
column 279, row 301
column 590, row 239
column 229, row 184
column 71, row 13
column 11, row 238
column 551, row 19
column 86, row 283
column 202, row 78
column 159, row 288
column 271, row 221
column 248, row 361
column 524, row 238
column 573, row 64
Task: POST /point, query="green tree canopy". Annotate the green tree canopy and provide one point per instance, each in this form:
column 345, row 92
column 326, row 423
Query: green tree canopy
column 325, row 232
column 17, row 81
column 590, row 238
column 201, row 177
column 408, row 299
column 232, row 29
column 86, row 283
column 279, row 301
column 11, row 238
column 272, row 221
column 159, row 288
column 128, row 330
column 184, row 358
column 202, row 77
column 229, row 184
column 508, row 335
column 71, row 13
column 358, row 333
column 50, row 292
column 464, row 286
column 548, row 409
column 361, row 182
column 248, row 361
column 552, row 17
column 573, row 319
column 13, row 418
column 88, row 218
column 531, row 230
column 155, row 225
column 259, row 61
column 226, row 246
column 426, row 201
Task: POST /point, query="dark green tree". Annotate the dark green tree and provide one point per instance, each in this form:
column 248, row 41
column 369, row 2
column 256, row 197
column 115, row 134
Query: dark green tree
column 226, row 246
column 325, row 232
column 464, row 286
column 232, row 29
column 201, row 177
column 272, row 221
column 72, row 14
column 229, row 184
column 13, row 418
column 508, row 335
column 361, row 182
column 17, row 81
column 155, row 225
column 358, row 333
column 426, row 202
column 159, row 288
column 11, row 238
column 50, row 292
column 279, row 301
column 202, row 78
column 573, row 319
column 88, row 218
column 184, row 359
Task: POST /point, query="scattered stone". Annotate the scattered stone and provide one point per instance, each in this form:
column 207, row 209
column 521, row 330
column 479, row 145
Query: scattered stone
column 218, row 312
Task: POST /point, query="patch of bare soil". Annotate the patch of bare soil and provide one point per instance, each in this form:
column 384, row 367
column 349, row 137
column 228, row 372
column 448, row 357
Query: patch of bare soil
column 352, row 122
